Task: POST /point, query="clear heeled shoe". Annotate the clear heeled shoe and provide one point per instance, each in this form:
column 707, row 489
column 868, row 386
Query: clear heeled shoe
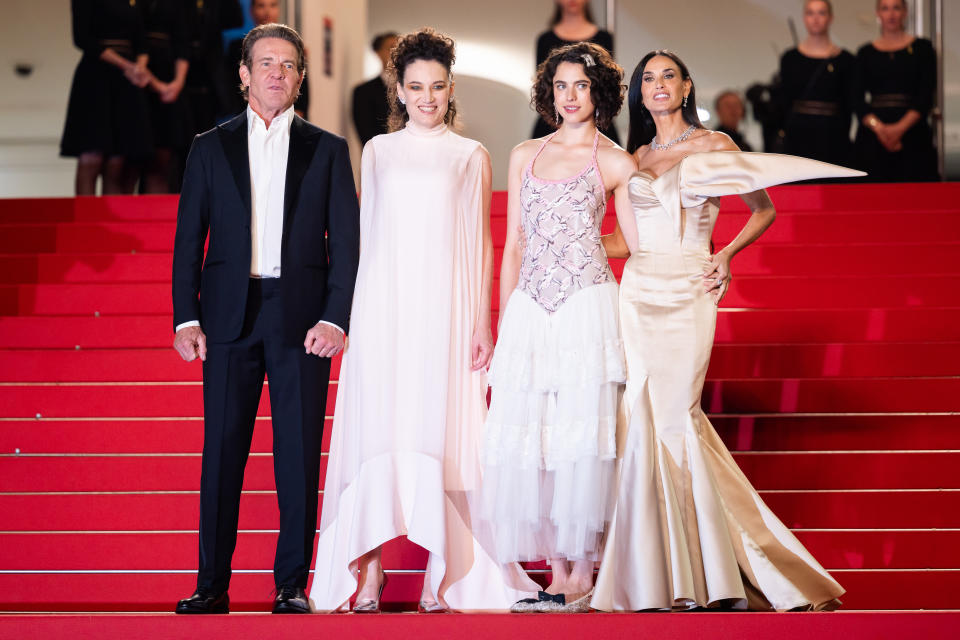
column 368, row 605
column 431, row 606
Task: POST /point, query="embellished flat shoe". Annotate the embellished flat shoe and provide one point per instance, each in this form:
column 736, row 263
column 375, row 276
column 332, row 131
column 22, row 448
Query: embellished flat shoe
column 543, row 602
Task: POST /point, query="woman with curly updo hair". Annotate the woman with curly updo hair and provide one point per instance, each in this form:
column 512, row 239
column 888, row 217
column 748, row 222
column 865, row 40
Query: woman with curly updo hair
column 412, row 395
column 549, row 442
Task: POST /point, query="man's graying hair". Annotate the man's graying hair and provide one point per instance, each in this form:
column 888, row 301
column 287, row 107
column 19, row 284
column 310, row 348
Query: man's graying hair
column 272, row 30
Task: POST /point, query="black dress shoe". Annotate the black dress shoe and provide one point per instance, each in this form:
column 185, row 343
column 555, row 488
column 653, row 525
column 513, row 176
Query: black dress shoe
column 204, row 601
column 291, row 600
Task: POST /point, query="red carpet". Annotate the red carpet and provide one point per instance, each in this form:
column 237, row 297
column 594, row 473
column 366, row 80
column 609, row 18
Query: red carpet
column 835, row 381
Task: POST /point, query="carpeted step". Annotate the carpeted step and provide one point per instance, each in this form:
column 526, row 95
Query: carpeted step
column 838, row 432
column 847, row 623
column 103, row 237
column 920, row 324
column 179, row 510
column 766, row 432
column 104, row 365
column 834, row 549
column 86, row 267
column 867, row 359
column 781, row 292
column 141, row 591
column 843, row 395
column 766, row 470
column 150, row 208
column 143, row 435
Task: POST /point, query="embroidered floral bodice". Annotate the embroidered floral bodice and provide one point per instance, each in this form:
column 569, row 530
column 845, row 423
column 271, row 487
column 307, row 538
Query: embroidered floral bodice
column 561, row 223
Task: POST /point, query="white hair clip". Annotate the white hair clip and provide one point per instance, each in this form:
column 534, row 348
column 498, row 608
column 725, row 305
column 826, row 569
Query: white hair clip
column 588, row 60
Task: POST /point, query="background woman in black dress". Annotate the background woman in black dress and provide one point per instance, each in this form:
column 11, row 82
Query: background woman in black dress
column 107, row 127
column 819, row 91
column 572, row 22
column 165, row 22
column 899, row 72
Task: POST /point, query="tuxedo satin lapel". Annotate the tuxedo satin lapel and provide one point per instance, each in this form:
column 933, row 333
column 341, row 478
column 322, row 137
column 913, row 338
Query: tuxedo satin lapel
column 233, row 137
column 302, row 147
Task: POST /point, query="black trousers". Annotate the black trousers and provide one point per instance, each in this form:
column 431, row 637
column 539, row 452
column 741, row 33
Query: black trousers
column 233, row 375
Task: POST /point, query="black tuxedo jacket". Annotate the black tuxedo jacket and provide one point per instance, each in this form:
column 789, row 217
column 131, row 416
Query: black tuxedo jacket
column 321, row 232
column 370, row 109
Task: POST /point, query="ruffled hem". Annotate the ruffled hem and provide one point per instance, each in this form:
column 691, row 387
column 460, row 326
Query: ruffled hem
column 537, row 514
column 530, row 430
column 577, row 346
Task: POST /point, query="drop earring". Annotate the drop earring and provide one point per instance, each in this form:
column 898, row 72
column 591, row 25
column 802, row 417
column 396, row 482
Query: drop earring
column 556, row 114
column 596, row 113
column 684, row 102
column 402, row 101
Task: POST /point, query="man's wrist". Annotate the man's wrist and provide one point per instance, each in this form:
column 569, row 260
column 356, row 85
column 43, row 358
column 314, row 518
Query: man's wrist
column 335, row 326
column 184, row 325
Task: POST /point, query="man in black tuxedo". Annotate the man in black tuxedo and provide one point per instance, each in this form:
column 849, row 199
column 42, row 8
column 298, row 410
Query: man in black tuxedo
column 277, row 198
column 369, row 106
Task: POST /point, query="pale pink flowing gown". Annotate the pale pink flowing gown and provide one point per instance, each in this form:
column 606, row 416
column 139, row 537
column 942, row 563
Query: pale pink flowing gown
column 404, row 450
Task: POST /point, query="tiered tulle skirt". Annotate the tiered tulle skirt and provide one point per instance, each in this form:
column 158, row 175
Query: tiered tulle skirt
column 549, row 443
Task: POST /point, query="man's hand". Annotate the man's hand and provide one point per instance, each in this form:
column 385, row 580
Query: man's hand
column 323, row 340
column 191, row 343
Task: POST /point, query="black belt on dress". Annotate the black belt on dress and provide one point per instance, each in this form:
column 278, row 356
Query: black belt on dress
column 158, row 39
column 122, row 47
column 816, row 108
column 891, row 100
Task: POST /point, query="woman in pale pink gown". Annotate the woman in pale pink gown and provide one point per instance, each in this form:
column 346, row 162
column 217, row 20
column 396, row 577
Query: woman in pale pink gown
column 412, row 394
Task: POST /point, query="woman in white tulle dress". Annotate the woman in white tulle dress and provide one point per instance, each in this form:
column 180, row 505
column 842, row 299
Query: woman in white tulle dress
column 549, row 445
column 689, row 530
column 412, row 394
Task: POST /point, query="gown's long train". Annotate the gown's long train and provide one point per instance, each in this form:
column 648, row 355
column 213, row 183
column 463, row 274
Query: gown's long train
column 688, row 528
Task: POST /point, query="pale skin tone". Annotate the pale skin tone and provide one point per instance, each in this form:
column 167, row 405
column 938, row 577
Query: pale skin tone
column 272, row 84
column 427, row 89
column 663, row 89
column 730, row 111
column 568, row 152
column 573, row 25
column 893, row 37
column 817, row 19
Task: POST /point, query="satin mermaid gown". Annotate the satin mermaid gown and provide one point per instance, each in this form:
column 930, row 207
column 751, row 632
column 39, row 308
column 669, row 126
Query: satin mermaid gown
column 688, row 528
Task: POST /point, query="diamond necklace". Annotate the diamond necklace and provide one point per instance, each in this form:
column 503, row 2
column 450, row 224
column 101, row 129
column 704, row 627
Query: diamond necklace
column 683, row 136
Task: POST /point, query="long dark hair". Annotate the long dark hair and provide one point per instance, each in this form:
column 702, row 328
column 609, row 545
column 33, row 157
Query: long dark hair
column 642, row 128
column 558, row 14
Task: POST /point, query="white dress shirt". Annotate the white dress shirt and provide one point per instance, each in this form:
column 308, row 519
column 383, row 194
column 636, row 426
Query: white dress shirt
column 267, row 150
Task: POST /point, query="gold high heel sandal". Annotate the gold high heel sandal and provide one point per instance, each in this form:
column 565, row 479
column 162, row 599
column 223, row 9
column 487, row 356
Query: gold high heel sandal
column 371, row 606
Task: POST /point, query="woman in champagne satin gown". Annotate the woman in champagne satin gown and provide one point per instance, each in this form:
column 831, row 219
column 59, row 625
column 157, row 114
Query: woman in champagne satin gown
column 689, row 530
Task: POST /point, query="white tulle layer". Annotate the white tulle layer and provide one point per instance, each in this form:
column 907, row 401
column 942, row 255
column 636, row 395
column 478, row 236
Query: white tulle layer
column 549, row 441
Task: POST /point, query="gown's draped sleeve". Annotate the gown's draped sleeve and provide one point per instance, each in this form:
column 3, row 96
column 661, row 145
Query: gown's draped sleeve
column 368, row 164
column 462, row 460
column 712, row 174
